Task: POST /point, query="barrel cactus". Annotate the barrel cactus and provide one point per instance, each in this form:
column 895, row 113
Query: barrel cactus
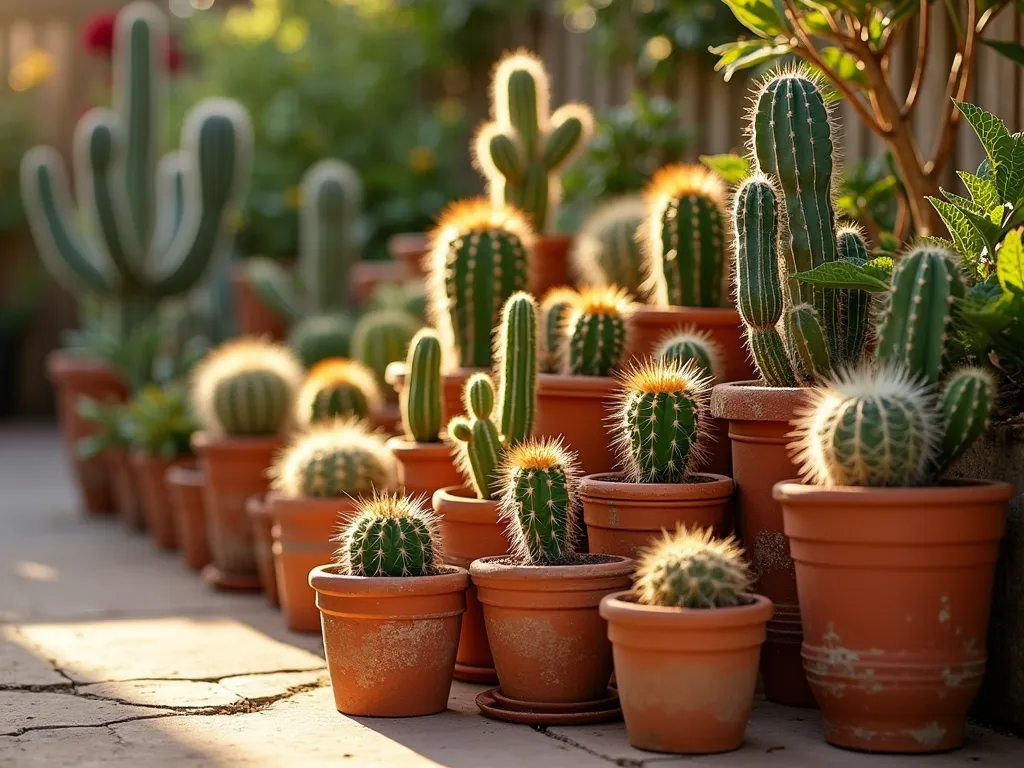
column 422, row 401
column 382, row 337
column 594, row 336
column 692, row 569
column 686, row 344
column 337, row 388
column 607, row 249
column 246, row 388
column 321, row 337
column 480, row 256
column 392, row 535
column 525, row 148
column 539, row 501
column 477, row 441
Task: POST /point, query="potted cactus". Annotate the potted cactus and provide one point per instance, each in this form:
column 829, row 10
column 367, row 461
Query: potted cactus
column 390, row 611
column 243, row 394
column 187, row 491
column 659, row 426
column 894, row 565
column 686, row 641
column 380, row 338
column 337, row 388
column 424, row 459
column 522, row 153
column 313, row 302
column 316, row 482
column 608, row 248
column 544, row 596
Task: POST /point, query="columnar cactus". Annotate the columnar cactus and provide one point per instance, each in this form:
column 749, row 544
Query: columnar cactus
column 478, row 444
column 686, row 344
column 334, row 460
column 422, row 402
column 856, row 304
column 246, row 388
column 517, row 368
column 660, row 421
column 392, row 535
column 594, row 337
column 337, row 388
column 607, row 249
column 479, row 258
column 555, row 308
column 382, row 337
column 539, row 501
column 685, row 237
column 144, row 232
column 524, row 150
column 692, row 569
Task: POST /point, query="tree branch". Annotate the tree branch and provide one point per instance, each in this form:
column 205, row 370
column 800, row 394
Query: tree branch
column 957, row 87
column 923, row 38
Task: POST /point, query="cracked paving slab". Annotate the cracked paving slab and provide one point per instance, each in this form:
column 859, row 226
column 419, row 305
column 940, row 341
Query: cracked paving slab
column 28, row 710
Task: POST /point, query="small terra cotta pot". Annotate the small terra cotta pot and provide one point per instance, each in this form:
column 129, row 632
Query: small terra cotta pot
column 390, row 642
column 262, row 540
column 186, row 488
column 125, row 488
column 150, row 477
column 410, row 249
column 252, row 316
column 623, row 518
column 759, row 427
column 686, row 677
column 423, row 468
column 895, row 589
column 302, row 533
column 577, row 408
column 550, row 266
column 549, row 642
column 470, row 529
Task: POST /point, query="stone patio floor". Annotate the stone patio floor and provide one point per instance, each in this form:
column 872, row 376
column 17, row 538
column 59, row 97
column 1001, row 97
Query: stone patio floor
column 113, row 654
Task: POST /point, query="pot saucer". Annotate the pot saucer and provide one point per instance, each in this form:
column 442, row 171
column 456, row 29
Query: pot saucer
column 470, row 674
column 600, row 711
column 218, row 579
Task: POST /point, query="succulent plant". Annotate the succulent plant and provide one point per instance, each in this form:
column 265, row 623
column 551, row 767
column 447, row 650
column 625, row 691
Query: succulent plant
column 524, row 150
column 246, row 387
column 686, row 344
column 144, row 231
column 692, row 569
column 555, row 308
column 516, row 364
column 382, row 337
column 337, row 388
column 660, row 421
column 480, row 256
column 539, row 501
column 321, row 337
column 343, row 458
column 391, row 535
column 422, row 401
column 478, row 444
column 607, row 249
column 594, row 337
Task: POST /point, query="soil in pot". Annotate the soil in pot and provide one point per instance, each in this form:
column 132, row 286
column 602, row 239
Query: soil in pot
column 262, row 540
column 895, row 588
column 577, row 408
column 686, row 677
column 390, row 642
column 125, row 488
column 252, row 316
column 150, row 475
column 423, row 468
column 187, row 491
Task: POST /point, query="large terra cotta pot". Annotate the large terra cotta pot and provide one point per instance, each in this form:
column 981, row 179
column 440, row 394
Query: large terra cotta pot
column 895, row 589
column 125, row 488
column 390, row 642
column 252, row 316
column 576, row 408
column 651, row 324
column 263, row 544
column 186, row 488
column 151, row 481
column 759, row 425
column 550, row 266
column 423, row 468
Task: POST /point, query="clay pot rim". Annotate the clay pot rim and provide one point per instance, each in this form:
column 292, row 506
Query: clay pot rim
column 732, row 401
column 394, row 374
column 492, row 571
column 708, row 317
column 281, row 504
column 326, row 580
column 141, row 454
column 952, row 493
column 402, row 444
column 597, row 487
column 622, row 608
column 203, row 441
column 191, row 477
column 551, row 238
column 577, row 386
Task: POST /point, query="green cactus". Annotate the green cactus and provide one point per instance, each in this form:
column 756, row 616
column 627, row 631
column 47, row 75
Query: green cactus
column 856, row 304
column 686, row 344
column 594, row 337
column 661, row 419
column 607, row 249
column 382, row 337
column 479, row 258
column 337, row 388
column 965, row 406
column 555, row 309
column 807, row 341
column 422, row 401
column 246, row 388
column 516, row 364
column 539, row 501
column 321, row 337
column 334, row 460
column 143, row 232
column 391, row 535
column 692, row 570
column 523, row 152
column 478, row 444
column 685, row 237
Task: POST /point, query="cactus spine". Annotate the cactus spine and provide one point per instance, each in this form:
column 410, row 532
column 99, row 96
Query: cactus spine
column 595, row 333
column 392, row 536
column 421, row 403
column 692, row 570
column 517, row 367
column 148, row 231
column 555, row 309
column 337, row 388
column 334, row 460
column 607, row 250
column 478, row 444
column 382, row 337
column 688, row 344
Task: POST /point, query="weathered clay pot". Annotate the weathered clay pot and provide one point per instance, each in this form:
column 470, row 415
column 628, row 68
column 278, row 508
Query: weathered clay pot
column 262, row 541
column 410, row 249
column 623, row 518
column 302, row 533
column 550, row 266
column 470, row 529
column 390, row 642
column 452, row 384
column 424, row 467
column 577, row 408
column 252, row 316
column 234, row 470
column 125, row 488
column 759, row 424
column 686, row 677
column 74, row 377
column 895, row 587
column 150, row 478
column 186, row 488
column 549, row 642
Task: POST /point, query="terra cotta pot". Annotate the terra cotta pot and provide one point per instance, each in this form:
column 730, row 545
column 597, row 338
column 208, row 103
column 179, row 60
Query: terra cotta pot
column 125, row 488
column 423, row 468
column 410, row 249
column 252, row 316
column 577, row 409
column 150, row 479
column 262, row 540
column 550, row 266
column 186, row 487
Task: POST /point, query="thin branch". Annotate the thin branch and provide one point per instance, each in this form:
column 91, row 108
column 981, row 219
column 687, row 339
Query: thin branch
column 922, row 60
column 957, row 88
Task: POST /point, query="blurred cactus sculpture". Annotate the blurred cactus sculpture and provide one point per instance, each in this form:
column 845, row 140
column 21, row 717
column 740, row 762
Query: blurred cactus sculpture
column 478, row 444
column 422, row 400
column 688, row 344
column 685, row 238
column 246, row 388
column 332, row 460
column 480, row 256
column 391, row 535
column 539, row 501
column 607, row 250
column 516, row 364
column 144, row 231
column 692, row 570
column 555, row 309
column 525, row 148
column 382, row 337
column 595, row 334
column 337, row 388
column 660, row 421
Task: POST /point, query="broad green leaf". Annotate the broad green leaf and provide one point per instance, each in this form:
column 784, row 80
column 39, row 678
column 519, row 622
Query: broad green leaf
column 844, row 274
column 759, row 16
column 963, row 203
column 92, row 446
column 1005, row 152
column 1010, row 262
column 983, row 191
column 978, row 218
column 968, row 242
column 880, row 188
column 881, row 267
column 1013, row 51
column 845, row 65
column 732, row 168
column 745, row 54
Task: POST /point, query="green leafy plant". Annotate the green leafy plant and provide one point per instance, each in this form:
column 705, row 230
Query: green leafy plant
column 391, row 535
column 692, row 569
column 110, row 427
column 159, row 421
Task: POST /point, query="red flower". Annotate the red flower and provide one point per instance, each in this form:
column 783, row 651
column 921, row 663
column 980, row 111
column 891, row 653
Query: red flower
column 174, row 57
column 98, row 36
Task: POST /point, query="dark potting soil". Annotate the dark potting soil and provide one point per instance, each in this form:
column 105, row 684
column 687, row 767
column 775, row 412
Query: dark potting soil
column 579, row 559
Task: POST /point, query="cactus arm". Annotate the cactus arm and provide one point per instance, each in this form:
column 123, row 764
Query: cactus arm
column 504, row 154
column 808, row 340
column 479, row 449
column 332, row 198
column 527, row 97
column 517, row 361
column 571, row 128
column 855, row 304
column 170, row 195
column 966, row 405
